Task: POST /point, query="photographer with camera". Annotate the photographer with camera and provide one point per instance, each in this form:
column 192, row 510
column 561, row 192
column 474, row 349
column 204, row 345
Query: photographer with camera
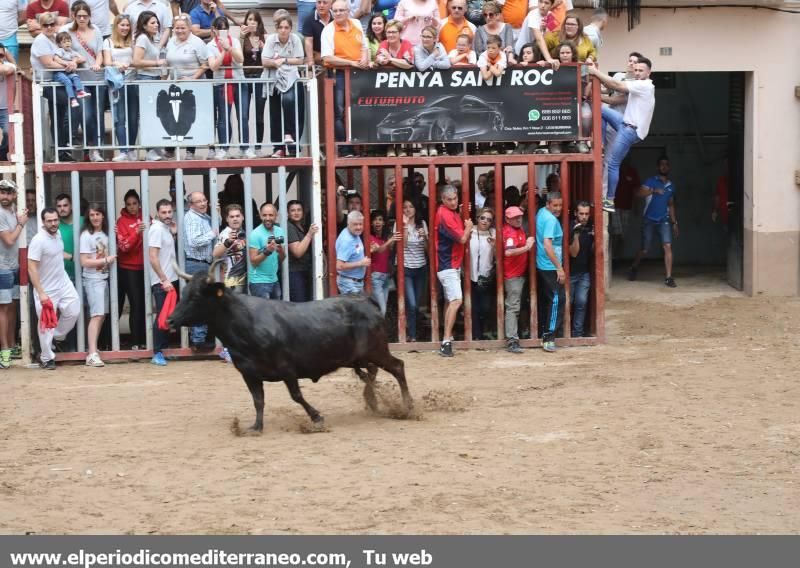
column 516, row 247
column 581, row 251
column 346, row 200
column 267, row 252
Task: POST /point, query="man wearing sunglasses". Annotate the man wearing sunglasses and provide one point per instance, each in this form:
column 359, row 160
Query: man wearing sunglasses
column 455, row 24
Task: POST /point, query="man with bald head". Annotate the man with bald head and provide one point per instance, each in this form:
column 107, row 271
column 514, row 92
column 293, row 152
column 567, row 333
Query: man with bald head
column 343, row 44
column 267, row 250
column 198, row 244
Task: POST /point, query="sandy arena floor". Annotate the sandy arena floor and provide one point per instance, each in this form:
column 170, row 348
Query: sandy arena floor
column 687, row 421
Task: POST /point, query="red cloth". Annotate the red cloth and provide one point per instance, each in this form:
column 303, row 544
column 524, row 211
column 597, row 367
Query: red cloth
column 514, row 266
column 129, row 241
column 227, row 61
column 48, row 318
column 167, row 309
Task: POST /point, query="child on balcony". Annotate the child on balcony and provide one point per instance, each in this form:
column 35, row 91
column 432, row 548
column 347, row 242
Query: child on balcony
column 71, row 81
column 493, row 61
column 463, row 54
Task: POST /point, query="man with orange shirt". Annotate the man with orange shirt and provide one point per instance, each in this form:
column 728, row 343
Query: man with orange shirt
column 455, row 24
column 343, row 44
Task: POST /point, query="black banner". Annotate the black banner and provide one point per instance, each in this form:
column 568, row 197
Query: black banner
column 456, row 105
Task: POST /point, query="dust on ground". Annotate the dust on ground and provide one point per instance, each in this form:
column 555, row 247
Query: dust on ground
column 686, row 421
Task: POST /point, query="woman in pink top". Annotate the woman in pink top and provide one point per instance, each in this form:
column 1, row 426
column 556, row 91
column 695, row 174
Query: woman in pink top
column 380, row 249
column 415, row 15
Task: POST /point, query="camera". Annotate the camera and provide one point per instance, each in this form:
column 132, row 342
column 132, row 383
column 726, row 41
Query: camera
column 278, row 240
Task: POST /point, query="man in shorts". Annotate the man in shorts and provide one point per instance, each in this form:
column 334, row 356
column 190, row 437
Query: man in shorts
column 12, row 225
column 450, row 235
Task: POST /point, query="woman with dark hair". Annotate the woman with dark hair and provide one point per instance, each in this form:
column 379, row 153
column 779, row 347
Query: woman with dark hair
column 572, row 30
column 252, row 37
column 146, row 58
column 494, row 26
column 299, row 240
column 130, row 272
column 380, row 246
column 96, row 263
column 225, row 59
column 415, row 263
column 376, row 33
column 87, row 41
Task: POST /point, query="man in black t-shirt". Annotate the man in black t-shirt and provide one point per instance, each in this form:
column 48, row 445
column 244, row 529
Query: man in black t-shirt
column 312, row 31
column 581, row 251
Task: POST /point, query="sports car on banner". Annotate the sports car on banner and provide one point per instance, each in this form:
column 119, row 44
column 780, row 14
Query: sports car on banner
column 454, row 117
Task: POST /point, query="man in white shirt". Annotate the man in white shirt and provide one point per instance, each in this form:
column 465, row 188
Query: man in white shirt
column 12, row 225
column 633, row 125
column 531, row 31
column 594, row 30
column 51, row 283
column 163, row 278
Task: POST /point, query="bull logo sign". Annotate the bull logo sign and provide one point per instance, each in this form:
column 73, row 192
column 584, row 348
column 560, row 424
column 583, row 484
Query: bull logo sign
column 176, row 114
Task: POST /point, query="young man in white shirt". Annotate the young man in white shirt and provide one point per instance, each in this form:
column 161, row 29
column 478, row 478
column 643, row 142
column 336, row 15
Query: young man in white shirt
column 51, row 283
column 633, row 125
column 163, row 278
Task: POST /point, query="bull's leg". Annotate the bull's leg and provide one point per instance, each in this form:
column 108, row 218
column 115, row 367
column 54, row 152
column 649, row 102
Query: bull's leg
column 297, row 396
column 396, row 367
column 256, row 387
column 369, row 386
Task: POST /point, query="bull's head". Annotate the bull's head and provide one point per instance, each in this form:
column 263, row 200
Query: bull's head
column 196, row 297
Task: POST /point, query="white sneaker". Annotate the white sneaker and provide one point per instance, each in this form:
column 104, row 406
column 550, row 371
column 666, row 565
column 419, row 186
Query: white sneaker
column 432, row 151
column 288, row 139
column 133, row 155
column 94, row 360
column 153, row 156
column 250, row 154
column 423, row 151
column 95, row 156
column 188, row 155
column 220, row 154
column 121, row 157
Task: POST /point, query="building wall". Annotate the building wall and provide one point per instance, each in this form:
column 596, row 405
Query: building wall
column 756, row 41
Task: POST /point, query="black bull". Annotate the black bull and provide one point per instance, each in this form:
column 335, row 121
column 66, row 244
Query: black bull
column 275, row 341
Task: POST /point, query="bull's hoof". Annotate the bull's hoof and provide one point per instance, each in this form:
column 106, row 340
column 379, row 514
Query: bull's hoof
column 317, row 425
column 318, row 419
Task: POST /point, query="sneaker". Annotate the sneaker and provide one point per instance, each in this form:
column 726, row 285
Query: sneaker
column 133, row 155
column 153, row 156
column 513, row 347
column 225, row 355
column 95, row 156
column 74, row 103
column 670, row 282
column 83, row 94
column 446, row 350
column 158, row 359
column 633, row 273
column 288, row 139
column 121, row 157
column 423, row 151
column 390, row 153
column 16, row 352
column 402, row 153
column 250, row 154
column 94, row 360
column 220, row 154
column 282, row 154
column 188, row 155
column 608, row 205
column 48, row 365
column 432, row 151
column 5, row 359
column 65, row 157
column 549, row 346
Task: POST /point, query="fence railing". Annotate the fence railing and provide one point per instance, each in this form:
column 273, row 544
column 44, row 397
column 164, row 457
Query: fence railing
column 249, row 114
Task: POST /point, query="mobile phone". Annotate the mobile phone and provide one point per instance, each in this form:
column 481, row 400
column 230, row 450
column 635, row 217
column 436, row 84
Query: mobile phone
column 223, row 34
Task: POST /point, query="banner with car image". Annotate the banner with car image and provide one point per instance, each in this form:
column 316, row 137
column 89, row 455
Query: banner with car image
column 457, row 105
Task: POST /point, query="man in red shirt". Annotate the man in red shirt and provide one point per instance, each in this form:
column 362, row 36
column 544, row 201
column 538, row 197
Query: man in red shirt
column 515, row 266
column 450, row 234
column 58, row 7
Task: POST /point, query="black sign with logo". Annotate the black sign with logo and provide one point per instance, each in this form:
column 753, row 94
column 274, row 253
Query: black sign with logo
column 457, row 105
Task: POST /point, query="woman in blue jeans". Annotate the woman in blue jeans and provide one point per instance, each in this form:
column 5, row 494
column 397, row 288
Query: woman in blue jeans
column 225, row 59
column 252, row 36
column 118, row 52
column 415, row 264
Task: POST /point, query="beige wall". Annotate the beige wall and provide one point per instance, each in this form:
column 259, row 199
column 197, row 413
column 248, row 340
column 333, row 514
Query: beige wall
column 758, row 41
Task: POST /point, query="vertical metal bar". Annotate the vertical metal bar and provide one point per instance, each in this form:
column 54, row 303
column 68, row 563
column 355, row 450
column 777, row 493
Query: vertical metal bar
column 499, row 243
column 297, row 93
column 111, row 207
column 402, row 317
column 465, row 201
column 17, row 149
column 599, row 229
column 68, row 142
column 432, row 253
column 248, row 211
column 316, row 187
column 283, row 217
column 330, row 185
column 144, row 185
column 75, row 184
column 532, row 193
column 367, row 236
column 565, row 174
column 180, row 200
column 213, row 204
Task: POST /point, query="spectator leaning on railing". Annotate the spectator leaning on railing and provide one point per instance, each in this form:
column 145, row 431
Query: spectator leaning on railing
column 376, row 33
column 531, row 31
column 494, row 26
column 225, row 59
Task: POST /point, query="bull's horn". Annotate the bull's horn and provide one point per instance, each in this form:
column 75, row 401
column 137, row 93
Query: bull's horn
column 211, row 277
column 180, row 272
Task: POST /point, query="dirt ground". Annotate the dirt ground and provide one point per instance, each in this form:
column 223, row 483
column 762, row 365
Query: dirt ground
column 687, row 421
